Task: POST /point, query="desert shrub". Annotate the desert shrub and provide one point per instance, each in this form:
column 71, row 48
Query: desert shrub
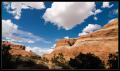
column 18, row 62
column 44, row 59
column 86, row 61
column 27, row 63
column 36, row 57
column 113, row 61
column 5, row 56
column 58, row 59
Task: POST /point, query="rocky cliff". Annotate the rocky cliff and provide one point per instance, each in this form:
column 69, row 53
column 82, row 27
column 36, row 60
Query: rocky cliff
column 14, row 56
column 65, row 42
column 17, row 49
column 101, row 43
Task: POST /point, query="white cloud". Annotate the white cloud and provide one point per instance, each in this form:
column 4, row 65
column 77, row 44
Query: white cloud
column 30, row 41
column 112, row 20
column 57, row 39
column 66, row 37
column 8, row 27
column 45, row 41
column 116, row 11
column 68, row 14
column 107, row 5
column 15, row 8
column 26, row 37
column 90, row 28
column 17, row 17
column 95, row 18
column 83, row 33
column 11, row 31
column 53, row 46
column 97, row 11
column 39, row 51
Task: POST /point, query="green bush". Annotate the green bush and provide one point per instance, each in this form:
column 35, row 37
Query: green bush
column 86, row 61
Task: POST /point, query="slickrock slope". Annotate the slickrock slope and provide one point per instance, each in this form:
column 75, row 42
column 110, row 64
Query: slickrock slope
column 100, row 43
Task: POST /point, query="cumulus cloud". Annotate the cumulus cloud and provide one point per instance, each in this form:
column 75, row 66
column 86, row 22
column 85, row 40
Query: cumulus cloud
column 68, row 14
column 15, row 8
column 90, row 28
column 107, row 5
column 39, row 51
column 83, row 33
column 8, row 27
column 11, row 31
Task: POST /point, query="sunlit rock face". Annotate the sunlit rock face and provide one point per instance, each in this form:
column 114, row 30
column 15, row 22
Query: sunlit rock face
column 17, row 50
column 65, row 42
column 100, row 43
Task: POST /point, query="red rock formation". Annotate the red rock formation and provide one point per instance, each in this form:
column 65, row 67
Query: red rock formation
column 17, row 50
column 6, row 43
column 19, row 47
column 65, row 42
column 100, row 43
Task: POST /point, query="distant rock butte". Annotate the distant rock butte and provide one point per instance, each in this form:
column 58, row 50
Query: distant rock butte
column 100, row 43
column 17, row 50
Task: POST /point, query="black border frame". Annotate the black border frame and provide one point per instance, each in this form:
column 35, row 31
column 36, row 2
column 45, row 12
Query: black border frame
column 57, row 1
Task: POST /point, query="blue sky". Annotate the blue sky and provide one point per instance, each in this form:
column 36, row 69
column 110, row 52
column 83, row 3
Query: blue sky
column 32, row 21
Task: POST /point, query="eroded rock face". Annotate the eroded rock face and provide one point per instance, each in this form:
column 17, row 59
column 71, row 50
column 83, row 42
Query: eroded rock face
column 15, row 57
column 6, row 43
column 100, row 43
column 17, row 47
column 65, row 42
column 17, row 50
